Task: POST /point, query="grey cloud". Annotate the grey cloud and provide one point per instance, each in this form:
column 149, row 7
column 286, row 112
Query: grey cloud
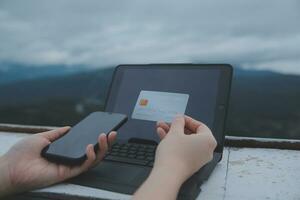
column 251, row 34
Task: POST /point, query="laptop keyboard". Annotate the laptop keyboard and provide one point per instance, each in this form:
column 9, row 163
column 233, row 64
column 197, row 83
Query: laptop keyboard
column 132, row 153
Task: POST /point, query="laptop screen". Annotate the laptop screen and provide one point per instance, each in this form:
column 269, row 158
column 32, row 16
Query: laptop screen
column 147, row 95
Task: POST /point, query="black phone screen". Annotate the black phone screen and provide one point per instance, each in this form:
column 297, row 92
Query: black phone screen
column 73, row 145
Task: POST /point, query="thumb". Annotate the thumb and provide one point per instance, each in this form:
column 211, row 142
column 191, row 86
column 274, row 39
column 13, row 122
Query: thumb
column 178, row 124
column 55, row 134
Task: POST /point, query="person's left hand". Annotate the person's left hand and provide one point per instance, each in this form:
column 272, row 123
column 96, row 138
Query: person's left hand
column 27, row 169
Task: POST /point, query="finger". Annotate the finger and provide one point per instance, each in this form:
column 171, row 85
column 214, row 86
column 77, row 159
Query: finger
column 177, row 125
column 159, row 123
column 203, row 128
column 55, row 134
column 187, row 131
column 91, row 157
column 191, row 123
column 103, row 146
column 163, row 125
column 112, row 136
column 161, row 133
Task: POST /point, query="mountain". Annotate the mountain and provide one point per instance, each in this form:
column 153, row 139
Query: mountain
column 11, row 72
column 60, row 100
column 82, row 85
column 263, row 104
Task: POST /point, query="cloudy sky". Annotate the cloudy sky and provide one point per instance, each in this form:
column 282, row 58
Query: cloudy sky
column 252, row 34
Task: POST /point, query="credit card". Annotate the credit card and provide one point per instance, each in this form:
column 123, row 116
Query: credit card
column 159, row 106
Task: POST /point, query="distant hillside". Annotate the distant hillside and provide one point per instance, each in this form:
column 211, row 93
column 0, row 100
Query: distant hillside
column 82, row 85
column 61, row 100
column 263, row 104
column 11, row 72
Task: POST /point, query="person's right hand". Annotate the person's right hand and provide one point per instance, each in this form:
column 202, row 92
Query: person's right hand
column 186, row 145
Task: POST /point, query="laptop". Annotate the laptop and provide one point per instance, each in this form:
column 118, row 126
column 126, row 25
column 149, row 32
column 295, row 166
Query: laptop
column 155, row 92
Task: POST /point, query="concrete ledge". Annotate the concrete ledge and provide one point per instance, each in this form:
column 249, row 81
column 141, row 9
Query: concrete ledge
column 230, row 141
column 243, row 173
column 17, row 128
column 270, row 143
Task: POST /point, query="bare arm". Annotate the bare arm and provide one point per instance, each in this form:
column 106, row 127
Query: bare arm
column 5, row 185
column 185, row 147
column 162, row 183
column 22, row 168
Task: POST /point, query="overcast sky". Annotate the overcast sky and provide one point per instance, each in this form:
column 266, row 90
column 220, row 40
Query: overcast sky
column 252, row 34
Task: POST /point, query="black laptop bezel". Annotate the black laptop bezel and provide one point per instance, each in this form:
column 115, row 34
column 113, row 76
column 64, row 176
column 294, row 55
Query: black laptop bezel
column 222, row 97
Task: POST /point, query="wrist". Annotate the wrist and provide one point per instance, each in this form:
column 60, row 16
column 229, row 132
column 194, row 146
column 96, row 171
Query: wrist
column 173, row 169
column 168, row 175
column 170, row 179
column 5, row 182
column 163, row 182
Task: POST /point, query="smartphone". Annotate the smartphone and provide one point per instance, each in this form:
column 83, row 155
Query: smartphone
column 70, row 149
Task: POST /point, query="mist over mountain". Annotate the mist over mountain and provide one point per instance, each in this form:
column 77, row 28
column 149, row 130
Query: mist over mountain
column 263, row 103
column 11, row 72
